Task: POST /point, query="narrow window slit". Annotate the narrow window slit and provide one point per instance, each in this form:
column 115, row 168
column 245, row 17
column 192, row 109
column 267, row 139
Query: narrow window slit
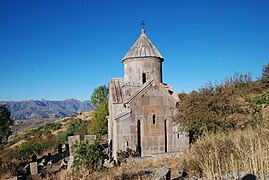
column 154, row 118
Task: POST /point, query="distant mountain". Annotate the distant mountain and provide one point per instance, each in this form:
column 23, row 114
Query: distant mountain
column 36, row 109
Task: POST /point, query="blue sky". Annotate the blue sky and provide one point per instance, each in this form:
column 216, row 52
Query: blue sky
column 59, row 49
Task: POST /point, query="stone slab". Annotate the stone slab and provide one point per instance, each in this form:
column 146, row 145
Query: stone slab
column 72, row 140
column 33, row 168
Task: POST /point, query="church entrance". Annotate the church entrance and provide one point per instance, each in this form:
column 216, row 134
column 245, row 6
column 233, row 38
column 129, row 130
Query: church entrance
column 138, row 148
column 165, row 136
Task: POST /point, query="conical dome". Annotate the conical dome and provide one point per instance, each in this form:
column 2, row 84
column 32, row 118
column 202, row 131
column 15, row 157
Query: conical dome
column 143, row 62
column 143, row 47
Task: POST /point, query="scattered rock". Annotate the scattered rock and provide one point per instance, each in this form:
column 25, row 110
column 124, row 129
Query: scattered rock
column 181, row 175
column 136, row 175
column 109, row 164
column 163, row 173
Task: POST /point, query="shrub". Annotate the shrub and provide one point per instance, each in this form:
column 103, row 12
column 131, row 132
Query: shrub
column 75, row 127
column 257, row 103
column 214, row 108
column 30, row 147
column 88, row 155
column 56, row 126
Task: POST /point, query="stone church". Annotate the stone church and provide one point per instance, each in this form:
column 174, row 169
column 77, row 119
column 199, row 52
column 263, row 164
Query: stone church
column 141, row 106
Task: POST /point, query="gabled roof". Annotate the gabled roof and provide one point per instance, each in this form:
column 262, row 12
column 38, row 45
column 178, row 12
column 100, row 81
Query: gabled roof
column 115, row 89
column 143, row 47
column 172, row 96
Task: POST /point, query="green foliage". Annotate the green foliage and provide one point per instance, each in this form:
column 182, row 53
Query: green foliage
column 214, row 108
column 8, row 161
column 265, row 71
column 99, row 124
column 28, row 148
column 257, row 103
column 265, row 76
column 5, row 122
column 75, row 127
column 99, row 95
column 88, row 155
column 99, row 99
column 37, row 145
column 53, row 126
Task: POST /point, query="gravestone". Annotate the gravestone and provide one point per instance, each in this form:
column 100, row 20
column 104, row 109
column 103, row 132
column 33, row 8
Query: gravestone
column 60, row 149
column 89, row 138
column 72, row 140
column 67, row 150
column 33, row 168
column 48, row 157
column 34, row 157
column 70, row 161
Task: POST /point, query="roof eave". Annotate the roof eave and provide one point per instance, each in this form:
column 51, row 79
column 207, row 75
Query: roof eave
column 160, row 58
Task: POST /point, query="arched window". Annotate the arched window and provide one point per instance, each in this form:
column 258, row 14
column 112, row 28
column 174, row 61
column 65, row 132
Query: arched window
column 154, row 118
column 144, row 78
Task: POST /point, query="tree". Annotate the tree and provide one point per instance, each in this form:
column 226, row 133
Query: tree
column 99, row 99
column 265, row 71
column 99, row 124
column 5, row 122
column 99, row 96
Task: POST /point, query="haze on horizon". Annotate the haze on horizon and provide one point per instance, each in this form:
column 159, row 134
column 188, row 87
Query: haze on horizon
column 59, row 50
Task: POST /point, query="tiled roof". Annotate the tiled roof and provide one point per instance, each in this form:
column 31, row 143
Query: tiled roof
column 143, row 47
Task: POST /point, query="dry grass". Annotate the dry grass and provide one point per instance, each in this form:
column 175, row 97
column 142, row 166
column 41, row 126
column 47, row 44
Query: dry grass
column 246, row 151
column 132, row 168
column 236, row 151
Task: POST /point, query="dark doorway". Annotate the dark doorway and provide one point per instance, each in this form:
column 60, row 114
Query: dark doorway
column 144, row 78
column 165, row 136
column 138, row 137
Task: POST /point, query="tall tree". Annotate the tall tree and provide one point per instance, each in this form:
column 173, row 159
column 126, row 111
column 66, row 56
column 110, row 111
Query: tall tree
column 99, row 99
column 99, row 95
column 265, row 75
column 265, row 71
column 99, row 125
column 5, row 122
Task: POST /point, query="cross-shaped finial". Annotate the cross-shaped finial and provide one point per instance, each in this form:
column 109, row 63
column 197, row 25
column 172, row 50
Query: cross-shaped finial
column 143, row 24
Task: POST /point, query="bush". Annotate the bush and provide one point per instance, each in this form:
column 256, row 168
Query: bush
column 37, row 146
column 214, row 108
column 75, row 127
column 30, row 147
column 88, row 155
column 257, row 103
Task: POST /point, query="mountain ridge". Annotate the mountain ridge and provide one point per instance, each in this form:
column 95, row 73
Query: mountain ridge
column 42, row 108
